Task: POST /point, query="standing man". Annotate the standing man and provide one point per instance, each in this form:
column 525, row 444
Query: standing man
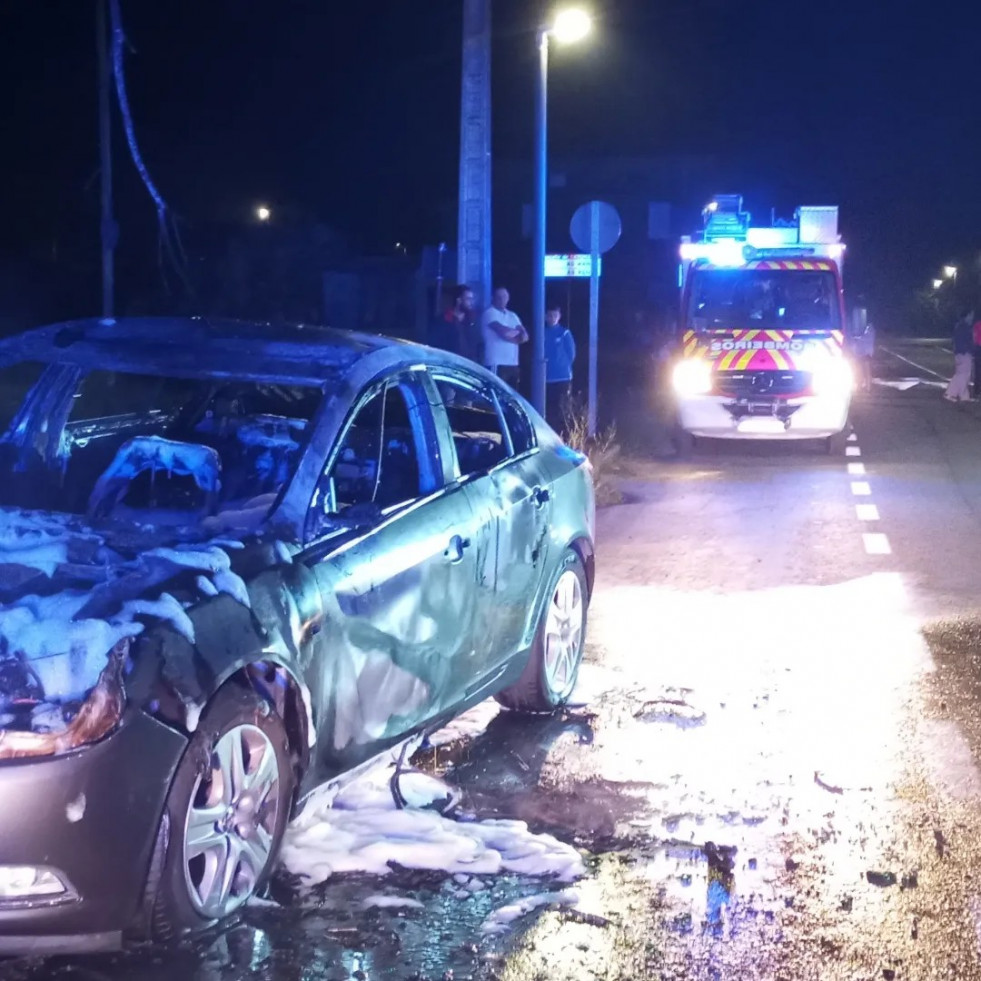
column 959, row 389
column 976, row 332
column 457, row 329
column 503, row 332
column 560, row 353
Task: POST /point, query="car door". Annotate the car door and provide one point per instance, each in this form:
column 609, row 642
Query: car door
column 497, row 457
column 387, row 539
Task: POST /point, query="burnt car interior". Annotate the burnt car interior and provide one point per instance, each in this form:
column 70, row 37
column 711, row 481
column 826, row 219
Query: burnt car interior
column 136, row 446
column 484, row 435
column 378, row 460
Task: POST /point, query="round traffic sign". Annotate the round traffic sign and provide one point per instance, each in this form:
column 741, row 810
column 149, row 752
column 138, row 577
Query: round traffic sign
column 595, row 225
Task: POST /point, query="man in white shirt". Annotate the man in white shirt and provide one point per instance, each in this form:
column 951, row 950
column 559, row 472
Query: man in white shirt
column 503, row 332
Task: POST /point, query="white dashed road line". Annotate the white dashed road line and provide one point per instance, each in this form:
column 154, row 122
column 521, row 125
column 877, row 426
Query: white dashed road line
column 875, row 542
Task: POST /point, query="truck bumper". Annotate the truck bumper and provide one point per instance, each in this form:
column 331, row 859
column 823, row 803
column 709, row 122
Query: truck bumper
column 813, row 417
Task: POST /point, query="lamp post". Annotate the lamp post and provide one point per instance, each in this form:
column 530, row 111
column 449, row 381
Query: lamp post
column 568, row 26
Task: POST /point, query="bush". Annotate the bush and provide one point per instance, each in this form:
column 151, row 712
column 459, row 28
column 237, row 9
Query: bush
column 602, row 449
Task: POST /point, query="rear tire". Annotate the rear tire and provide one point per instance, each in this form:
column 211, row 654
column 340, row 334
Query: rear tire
column 225, row 816
column 550, row 675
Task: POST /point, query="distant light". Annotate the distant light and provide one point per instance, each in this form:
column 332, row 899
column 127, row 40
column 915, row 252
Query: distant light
column 950, row 272
column 937, row 283
column 263, row 213
column 712, row 206
column 571, row 25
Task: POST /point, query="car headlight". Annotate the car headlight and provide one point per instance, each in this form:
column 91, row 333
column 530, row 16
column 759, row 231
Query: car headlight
column 832, row 377
column 95, row 717
column 692, row 376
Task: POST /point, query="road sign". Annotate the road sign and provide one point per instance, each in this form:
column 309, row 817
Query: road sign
column 569, row 265
column 595, row 228
column 598, row 217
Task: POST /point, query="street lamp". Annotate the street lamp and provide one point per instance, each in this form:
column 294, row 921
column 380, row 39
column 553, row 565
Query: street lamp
column 950, row 272
column 568, row 26
column 937, row 283
column 263, row 213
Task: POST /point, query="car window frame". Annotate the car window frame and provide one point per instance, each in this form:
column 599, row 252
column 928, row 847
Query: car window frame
column 428, row 450
column 480, row 387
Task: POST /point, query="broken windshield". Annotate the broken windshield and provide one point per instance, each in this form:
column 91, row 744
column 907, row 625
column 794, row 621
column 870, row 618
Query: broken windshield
column 152, row 449
column 781, row 299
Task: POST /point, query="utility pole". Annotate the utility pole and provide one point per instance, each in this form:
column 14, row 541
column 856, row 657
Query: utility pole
column 108, row 229
column 474, row 209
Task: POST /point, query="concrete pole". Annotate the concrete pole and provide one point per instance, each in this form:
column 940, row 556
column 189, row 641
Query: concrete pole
column 474, row 214
column 538, row 243
column 108, row 225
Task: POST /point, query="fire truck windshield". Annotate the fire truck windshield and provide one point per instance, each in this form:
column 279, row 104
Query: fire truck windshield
column 785, row 299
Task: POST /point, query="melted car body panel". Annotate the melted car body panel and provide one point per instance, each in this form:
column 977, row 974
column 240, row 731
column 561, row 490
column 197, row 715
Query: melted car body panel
column 386, row 621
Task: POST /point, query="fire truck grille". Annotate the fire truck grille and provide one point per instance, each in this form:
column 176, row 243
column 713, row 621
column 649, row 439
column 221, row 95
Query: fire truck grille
column 761, row 384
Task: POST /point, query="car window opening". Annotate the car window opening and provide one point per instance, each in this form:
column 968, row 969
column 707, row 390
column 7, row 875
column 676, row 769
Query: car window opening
column 489, row 427
column 378, row 461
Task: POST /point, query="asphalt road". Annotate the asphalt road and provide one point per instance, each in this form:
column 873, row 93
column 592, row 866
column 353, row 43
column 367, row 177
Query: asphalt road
column 773, row 771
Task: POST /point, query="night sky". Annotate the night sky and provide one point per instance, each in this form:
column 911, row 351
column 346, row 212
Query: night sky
column 348, row 112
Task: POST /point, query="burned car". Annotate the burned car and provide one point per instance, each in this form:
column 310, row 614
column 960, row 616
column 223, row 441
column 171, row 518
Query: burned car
column 238, row 562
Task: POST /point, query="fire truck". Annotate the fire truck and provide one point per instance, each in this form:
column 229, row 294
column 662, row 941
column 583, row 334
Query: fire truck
column 762, row 329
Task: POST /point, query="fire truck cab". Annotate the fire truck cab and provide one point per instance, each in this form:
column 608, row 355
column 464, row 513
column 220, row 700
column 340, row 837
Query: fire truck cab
column 762, row 329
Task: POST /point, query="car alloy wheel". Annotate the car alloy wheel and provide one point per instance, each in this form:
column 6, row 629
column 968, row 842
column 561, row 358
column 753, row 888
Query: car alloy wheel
column 231, row 822
column 564, row 623
column 550, row 673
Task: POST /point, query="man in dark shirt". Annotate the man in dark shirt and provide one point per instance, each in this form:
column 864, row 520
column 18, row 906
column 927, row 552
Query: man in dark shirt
column 457, row 329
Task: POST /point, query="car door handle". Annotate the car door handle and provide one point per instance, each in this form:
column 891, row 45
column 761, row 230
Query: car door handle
column 540, row 496
column 454, row 551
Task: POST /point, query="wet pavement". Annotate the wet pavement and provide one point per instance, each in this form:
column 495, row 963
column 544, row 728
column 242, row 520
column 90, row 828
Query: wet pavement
column 771, row 764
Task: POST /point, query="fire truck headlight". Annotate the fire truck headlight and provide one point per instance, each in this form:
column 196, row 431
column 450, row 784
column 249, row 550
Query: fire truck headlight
column 692, row 377
column 833, row 378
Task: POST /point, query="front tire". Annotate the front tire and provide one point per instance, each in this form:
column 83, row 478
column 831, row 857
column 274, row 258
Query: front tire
column 836, row 443
column 225, row 816
column 550, row 675
column 684, row 443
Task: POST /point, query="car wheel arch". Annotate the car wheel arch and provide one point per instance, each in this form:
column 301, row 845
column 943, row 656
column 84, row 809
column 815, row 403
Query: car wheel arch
column 583, row 547
column 290, row 698
column 285, row 692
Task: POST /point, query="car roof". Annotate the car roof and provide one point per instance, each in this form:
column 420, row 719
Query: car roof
column 208, row 347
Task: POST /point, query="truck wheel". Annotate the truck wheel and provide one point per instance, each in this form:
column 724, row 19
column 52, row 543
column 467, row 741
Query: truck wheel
column 225, row 816
column 684, row 443
column 836, row 443
column 556, row 652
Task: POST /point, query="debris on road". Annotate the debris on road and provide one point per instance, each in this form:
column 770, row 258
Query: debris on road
column 673, row 710
column 881, row 879
column 831, row 788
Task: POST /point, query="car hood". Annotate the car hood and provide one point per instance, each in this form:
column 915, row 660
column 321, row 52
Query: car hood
column 71, row 593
